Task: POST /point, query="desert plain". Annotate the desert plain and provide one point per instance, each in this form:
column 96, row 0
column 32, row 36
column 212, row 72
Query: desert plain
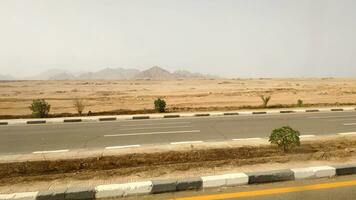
column 180, row 94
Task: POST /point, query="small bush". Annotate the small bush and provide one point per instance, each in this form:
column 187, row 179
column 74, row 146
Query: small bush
column 79, row 105
column 300, row 103
column 160, row 105
column 265, row 100
column 285, row 138
column 40, row 108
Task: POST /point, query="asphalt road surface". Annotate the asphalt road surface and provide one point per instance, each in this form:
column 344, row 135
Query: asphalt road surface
column 339, row 188
column 51, row 137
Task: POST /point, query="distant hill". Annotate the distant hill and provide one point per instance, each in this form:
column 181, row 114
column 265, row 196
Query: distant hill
column 62, row 76
column 153, row 73
column 46, row 75
column 187, row 74
column 157, row 73
column 110, row 73
column 6, row 77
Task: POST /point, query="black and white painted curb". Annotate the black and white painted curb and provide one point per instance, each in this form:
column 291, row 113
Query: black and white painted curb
column 161, row 116
column 175, row 185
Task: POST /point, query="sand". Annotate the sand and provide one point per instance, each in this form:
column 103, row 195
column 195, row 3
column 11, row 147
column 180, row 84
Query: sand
column 108, row 95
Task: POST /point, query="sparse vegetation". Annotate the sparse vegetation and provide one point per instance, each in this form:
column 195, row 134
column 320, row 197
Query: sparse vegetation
column 79, row 105
column 265, row 100
column 40, row 108
column 300, row 103
column 137, row 96
column 160, row 105
column 285, row 138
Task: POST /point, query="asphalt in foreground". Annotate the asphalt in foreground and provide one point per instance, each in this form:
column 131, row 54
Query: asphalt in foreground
column 52, row 137
column 338, row 188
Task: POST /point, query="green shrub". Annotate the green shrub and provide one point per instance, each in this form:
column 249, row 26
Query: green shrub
column 160, row 105
column 285, row 138
column 265, row 100
column 40, row 108
column 300, row 103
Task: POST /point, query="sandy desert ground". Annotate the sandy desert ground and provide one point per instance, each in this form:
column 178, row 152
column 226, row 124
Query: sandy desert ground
column 104, row 95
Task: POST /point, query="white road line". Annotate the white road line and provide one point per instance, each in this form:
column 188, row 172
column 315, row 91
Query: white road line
column 54, row 151
column 152, row 133
column 123, row 147
column 157, row 124
column 306, row 136
column 350, row 124
column 156, row 127
column 338, row 120
column 244, row 139
column 332, row 116
column 350, row 133
column 186, row 142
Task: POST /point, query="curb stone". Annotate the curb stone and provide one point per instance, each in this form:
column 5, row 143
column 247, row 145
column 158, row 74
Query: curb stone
column 316, row 110
column 36, row 122
column 225, row 180
column 189, row 184
column 163, row 186
column 345, row 170
column 270, row 176
column 79, row 194
column 175, row 185
column 122, row 190
column 108, row 119
column 202, row 115
column 231, row 113
column 72, row 120
column 58, row 194
column 314, row 172
column 140, row 117
column 155, row 116
column 171, row 116
column 259, row 113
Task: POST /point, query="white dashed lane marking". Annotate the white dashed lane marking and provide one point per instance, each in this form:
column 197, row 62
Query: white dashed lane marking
column 306, row 136
column 152, row 133
column 349, row 133
column 244, row 139
column 158, row 127
column 155, row 124
column 52, row 151
column 123, row 147
column 334, row 116
column 350, row 124
column 186, row 142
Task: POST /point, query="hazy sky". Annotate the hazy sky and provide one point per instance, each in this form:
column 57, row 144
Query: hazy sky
column 234, row 38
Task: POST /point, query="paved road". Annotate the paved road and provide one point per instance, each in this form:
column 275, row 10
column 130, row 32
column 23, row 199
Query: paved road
column 340, row 188
column 47, row 137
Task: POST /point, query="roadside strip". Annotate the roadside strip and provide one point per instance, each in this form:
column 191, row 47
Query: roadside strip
column 161, row 116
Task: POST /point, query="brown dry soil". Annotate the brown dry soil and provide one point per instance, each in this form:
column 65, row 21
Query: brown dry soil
column 158, row 164
column 137, row 96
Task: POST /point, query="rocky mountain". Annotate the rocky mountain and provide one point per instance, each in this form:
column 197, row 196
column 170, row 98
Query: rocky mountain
column 155, row 73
